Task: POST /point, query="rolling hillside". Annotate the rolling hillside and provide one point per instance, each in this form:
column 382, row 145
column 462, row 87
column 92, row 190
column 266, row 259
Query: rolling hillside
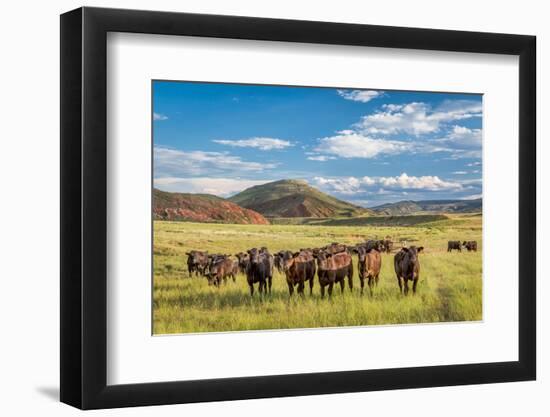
column 294, row 198
column 201, row 208
column 429, row 206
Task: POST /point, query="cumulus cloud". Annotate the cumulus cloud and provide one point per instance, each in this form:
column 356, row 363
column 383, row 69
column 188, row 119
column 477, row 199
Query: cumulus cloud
column 363, row 96
column 348, row 144
column 222, row 187
column 428, row 182
column 403, row 182
column 263, row 144
column 176, row 163
column 461, row 135
column 158, row 116
column 416, row 118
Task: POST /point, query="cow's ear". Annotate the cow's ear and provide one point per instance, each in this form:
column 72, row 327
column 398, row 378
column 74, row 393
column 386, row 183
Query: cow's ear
column 187, row 253
column 420, row 249
column 295, row 254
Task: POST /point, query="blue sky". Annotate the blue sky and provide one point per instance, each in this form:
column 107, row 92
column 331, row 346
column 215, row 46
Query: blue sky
column 368, row 147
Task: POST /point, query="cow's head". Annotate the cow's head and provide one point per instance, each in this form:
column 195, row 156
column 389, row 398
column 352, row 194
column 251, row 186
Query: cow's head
column 287, row 259
column 253, row 256
column 413, row 252
column 323, row 259
column 362, row 253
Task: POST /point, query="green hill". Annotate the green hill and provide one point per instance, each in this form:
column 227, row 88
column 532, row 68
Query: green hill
column 429, row 206
column 294, row 198
column 201, row 208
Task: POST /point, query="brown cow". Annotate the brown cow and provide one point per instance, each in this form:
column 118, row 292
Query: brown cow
column 333, row 268
column 220, row 269
column 334, row 248
column 369, row 265
column 299, row 267
column 197, row 261
column 407, row 267
column 470, row 245
column 242, row 259
column 387, row 245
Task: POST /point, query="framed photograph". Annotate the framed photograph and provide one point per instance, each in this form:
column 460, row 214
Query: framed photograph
column 257, row 208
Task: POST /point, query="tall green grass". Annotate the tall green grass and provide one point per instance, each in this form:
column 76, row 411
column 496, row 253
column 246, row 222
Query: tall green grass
column 450, row 287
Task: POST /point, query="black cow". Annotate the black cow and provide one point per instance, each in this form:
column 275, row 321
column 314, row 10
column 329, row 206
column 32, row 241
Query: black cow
column 470, row 245
column 278, row 261
column 259, row 270
column 407, row 268
column 454, row 244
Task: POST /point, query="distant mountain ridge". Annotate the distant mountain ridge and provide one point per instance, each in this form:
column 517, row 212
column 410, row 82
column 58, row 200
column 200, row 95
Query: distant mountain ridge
column 294, row 198
column 201, row 208
column 431, row 206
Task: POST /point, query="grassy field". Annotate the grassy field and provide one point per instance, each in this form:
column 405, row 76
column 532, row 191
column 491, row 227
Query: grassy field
column 450, row 287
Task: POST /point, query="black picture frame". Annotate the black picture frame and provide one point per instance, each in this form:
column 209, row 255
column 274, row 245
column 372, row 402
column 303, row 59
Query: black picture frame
column 84, row 207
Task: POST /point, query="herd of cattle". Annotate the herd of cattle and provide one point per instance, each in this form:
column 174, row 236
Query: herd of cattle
column 332, row 263
column 471, row 245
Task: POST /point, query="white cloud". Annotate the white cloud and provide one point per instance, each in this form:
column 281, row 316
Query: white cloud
column 461, row 135
column 348, row 144
column 473, row 197
column 222, row 187
column 158, row 116
column 416, row 118
column 428, row 182
column 363, row 96
column 320, row 158
column 460, row 172
column 175, row 163
column 263, row 144
column 353, row 185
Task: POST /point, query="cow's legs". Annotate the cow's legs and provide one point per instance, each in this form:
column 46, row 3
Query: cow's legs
column 350, row 280
column 415, row 281
column 311, row 281
column 362, row 284
column 376, row 280
column 406, row 286
column 251, row 285
column 400, row 283
column 322, row 290
column 301, row 288
column 270, row 282
column 330, row 289
column 371, row 284
column 290, row 289
column 342, row 285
